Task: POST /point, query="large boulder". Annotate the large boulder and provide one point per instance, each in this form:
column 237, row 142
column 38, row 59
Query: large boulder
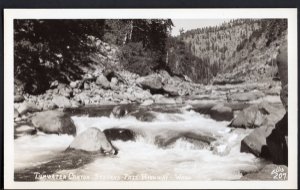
column 61, row 101
column 92, row 140
column 103, row 82
column 255, row 142
column 27, row 107
column 152, row 82
column 268, row 142
column 277, row 143
column 220, row 112
column 54, row 121
column 257, row 115
column 119, row 134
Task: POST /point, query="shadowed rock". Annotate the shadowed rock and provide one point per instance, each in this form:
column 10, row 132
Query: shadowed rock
column 277, row 144
column 119, row 134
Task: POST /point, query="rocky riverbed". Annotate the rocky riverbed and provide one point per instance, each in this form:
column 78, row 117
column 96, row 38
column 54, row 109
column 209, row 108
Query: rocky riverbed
column 248, row 111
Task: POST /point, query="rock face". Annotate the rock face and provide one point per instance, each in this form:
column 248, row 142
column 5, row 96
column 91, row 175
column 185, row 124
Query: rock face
column 268, row 173
column 119, row 134
column 221, row 113
column 92, row 140
column 55, row 122
column 257, row 115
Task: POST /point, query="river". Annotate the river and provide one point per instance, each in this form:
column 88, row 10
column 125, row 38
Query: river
column 144, row 159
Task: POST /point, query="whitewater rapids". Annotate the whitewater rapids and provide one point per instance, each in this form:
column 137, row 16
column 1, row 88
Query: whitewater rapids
column 143, row 159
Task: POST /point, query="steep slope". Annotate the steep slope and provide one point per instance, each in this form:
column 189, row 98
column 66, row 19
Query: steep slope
column 239, row 50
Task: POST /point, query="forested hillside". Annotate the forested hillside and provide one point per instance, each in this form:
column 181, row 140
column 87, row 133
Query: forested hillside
column 60, row 49
column 64, row 50
column 242, row 49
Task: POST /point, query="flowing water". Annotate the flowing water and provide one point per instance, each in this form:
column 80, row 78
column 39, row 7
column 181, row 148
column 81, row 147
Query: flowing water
column 143, row 159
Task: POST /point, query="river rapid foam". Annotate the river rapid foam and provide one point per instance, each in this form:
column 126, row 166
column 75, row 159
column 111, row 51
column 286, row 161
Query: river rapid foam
column 143, row 159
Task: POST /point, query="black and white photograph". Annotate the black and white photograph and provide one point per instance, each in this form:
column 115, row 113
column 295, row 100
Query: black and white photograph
column 140, row 98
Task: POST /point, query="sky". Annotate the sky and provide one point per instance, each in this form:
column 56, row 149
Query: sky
column 188, row 24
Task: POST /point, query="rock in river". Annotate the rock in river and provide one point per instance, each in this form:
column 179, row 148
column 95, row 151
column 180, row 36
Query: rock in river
column 119, row 134
column 221, row 113
column 92, row 140
column 255, row 142
column 119, row 111
column 54, row 121
column 257, row 115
